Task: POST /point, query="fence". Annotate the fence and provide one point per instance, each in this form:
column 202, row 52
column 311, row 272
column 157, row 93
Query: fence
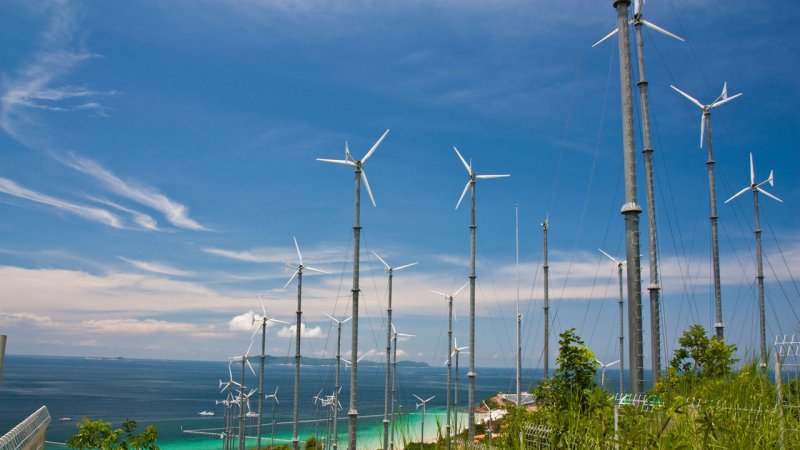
column 29, row 434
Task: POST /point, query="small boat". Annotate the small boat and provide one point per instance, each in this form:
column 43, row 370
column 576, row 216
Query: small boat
column 65, row 419
column 251, row 414
column 206, row 413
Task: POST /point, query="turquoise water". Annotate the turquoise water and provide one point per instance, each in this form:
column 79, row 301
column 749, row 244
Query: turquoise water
column 169, row 394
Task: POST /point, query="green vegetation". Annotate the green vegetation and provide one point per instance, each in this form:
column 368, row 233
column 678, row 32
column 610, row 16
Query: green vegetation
column 98, row 434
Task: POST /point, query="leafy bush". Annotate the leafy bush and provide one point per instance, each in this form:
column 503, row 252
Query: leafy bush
column 98, row 434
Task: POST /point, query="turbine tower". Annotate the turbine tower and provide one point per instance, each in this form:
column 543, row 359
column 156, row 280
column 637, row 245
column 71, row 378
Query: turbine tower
column 274, row 397
column 449, row 299
column 472, row 228
column 546, row 307
column 519, row 316
column 390, row 271
column 298, row 273
column 338, row 387
column 756, row 188
column 395, row 334
column 456, row 352
column 424, row 404
column 359, row 176
column 655, row 285
column 705, row 128
column 263, row 328
column 243, row 359
column 619, row 265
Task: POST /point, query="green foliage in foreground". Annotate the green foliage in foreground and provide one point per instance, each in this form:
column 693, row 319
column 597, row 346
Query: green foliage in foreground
column 700, row 402
column 98, row 434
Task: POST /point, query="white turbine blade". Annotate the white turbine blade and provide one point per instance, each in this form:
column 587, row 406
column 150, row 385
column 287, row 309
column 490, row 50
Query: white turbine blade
column 337, row 161
column 290, row 280
column 374, row 147
column 316, row 270
column 439, row 293
column 461, row 288
column 768, row 194
column 331, row 317
column 455, row 343
column 691, row 99
column 363, row 356
column 394, row 330
column 297, row 247
column 247, row 353
column 264, row 310
column 466, row 166
column 739, row 193
column 460, row 349
column 607, row 255
column 598, row 361
column 771, row 178
column 492, row 176
column 752, row 171
column 347, row 154
column 279, row 321
column 366, row 185
column 724, row 93
column 406, row 335
column 605, row 38
column 385, row 264
column 255, row 332
column 417, row 397
column 724, row 100
column 429, row 399
column 463, row 193
column 345, row 320
column 662, row 31
column 637, row 7
column 347, row 361
column 250, row 366
column 612, row 363
column 404, row 267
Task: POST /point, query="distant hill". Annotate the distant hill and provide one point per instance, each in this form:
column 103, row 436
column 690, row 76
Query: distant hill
column 308, row 361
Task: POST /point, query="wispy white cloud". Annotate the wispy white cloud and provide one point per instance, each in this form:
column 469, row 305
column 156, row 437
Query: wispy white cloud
column 175, row 213
column 262, row 255
column 156, row 267
column 143, row 220
column 147, row 326
column 87, row 212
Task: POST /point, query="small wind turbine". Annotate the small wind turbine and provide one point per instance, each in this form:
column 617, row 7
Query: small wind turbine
column 274, row 397
column 456, row 351
column 756, row 188
column 337, row 388
column 424, row 404
column 619, row 265
column 603, row 372
column 638, row 21
column 263, row 327
column 244, row 360
column 298, row 328
column 390, row 271
column 705, row 128
column 472, row 228
column 449, row 298
column 395, row 334
column 359, row 176
column 491, row 426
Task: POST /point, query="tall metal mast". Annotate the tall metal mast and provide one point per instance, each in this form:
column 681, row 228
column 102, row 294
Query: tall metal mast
column 337, row 387
column 449, row 361
column 519, row 316
column 546, row 306
column 630, row 210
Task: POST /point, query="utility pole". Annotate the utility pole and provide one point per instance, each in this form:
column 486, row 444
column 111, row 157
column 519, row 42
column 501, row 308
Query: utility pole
column 630, row 210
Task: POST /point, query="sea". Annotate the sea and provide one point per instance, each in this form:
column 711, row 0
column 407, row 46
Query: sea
column 170, row 394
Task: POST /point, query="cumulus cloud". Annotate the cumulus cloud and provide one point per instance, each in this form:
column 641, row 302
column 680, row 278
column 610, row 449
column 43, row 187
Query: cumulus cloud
column 37, row 320
column 243, row 322
column 288, row 332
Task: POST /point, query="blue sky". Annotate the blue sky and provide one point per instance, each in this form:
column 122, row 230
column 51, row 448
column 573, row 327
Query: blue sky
column 159, row 157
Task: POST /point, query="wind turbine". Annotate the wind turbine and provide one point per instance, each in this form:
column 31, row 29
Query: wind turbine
column 705, row 128
column 449, row 299
column 655, row 285
column 490, row 431
column 456, row 351
column 390, row 271
column 756, row 188
column 274, row 397
column 298, row 272
column 395, row 334
column 603, row 372
column 263, row 327
column 424, row 404
column 359, row 176
column 243, row 359
column 472, row 228
column 619, row 265
column 228, row 404
column 546, row 304
column 337, row 388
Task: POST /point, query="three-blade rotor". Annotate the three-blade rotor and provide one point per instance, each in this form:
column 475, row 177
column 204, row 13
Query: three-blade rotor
column 721, row 100
column 757, row 186
column 390, row 269
column 338, row 322
column 617, row 262
column 472, row 176
column 639, row 20
column 359, row 165
column 300, row 267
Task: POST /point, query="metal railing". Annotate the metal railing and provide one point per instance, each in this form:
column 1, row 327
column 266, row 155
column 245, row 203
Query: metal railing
column 29, row 434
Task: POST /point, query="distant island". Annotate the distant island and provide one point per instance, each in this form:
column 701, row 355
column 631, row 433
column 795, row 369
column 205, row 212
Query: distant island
column 309, row 361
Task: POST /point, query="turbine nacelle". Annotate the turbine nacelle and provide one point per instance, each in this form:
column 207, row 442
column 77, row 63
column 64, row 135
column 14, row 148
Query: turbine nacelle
column 756, row 187
column 722, row 99
column 472, row 176
column 639, row 20
column 359, row 165
column 389, row 269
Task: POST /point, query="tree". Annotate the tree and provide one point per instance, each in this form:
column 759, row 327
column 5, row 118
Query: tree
column 702, row 356
column 98, row 434
column 574, row 378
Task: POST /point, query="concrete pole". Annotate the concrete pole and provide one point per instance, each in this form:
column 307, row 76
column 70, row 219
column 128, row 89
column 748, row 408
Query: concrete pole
column 353, row 412
column 655, row 286
column 546, row 308
column 296, row 411
column 455, row 396
column 719, row 325
column 760, row 279
column 472, row 351
column 630, row 210
column 261, row 378
column 519, row 316
column 394, row 391
column 621, row 332
column 779, row 403
column 2, row 355
column 449, row 363
column 241, row 409
column 388, row 366
column 336, row 388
